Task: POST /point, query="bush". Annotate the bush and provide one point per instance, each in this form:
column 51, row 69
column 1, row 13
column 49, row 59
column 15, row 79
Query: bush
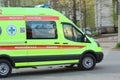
column 118, row 45
column 94, row 33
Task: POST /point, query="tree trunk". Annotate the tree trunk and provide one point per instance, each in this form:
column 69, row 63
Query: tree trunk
column 114, row 15
column 118, row 28
column 65, row 8
column 74, row 12
column 59, row 6
column 85, row 16
column 69, row 9
column 54, row 4
column 83, row 13
column 118, row 2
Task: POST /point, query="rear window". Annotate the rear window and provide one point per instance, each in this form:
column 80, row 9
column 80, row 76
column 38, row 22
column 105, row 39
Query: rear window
column 41, row 30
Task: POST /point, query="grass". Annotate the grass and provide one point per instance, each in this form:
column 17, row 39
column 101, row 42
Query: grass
column 118, row 45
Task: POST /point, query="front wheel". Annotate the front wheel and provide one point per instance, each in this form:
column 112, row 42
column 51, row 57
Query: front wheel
column 88, row 62
column 5, row 68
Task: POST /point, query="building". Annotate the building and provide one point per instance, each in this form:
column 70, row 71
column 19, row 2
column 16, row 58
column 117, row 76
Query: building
column 103, row 13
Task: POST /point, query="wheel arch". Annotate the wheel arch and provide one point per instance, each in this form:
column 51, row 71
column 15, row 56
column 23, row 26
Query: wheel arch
column 8, row 58
column 90, row 52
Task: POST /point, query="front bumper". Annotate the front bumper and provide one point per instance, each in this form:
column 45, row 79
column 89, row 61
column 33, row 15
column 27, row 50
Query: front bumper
column 99, row 57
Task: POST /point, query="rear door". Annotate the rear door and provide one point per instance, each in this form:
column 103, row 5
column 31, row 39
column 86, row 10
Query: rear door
column 12, row 40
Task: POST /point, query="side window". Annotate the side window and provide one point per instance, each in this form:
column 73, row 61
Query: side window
column 41, row 30
column 71, row 33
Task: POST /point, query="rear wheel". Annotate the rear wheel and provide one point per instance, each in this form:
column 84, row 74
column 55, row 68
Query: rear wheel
column 5, row 68
column 88, row 62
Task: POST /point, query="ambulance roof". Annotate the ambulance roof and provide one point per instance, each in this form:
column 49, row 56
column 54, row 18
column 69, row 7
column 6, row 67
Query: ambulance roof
column 17, row 11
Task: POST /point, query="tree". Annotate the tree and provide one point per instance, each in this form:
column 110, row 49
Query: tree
column 83, row 11
column 115, row 16
column 54, row 4
column 74, row 12
column 69, row 7
column 70, row 12
column 118, row 7
column 21, row 3
column 87, row 17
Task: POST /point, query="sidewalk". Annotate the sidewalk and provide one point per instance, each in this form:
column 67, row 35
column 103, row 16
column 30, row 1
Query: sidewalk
column 108, row 41
column 106, row 35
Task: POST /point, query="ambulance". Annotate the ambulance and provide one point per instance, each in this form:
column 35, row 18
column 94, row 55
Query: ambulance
column 31, row 37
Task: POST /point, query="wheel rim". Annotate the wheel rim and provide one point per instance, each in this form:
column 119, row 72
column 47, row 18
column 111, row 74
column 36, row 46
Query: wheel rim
column 4, row 69
column 88, row 62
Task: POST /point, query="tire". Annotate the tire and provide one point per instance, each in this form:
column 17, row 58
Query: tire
column 87, row 62
column 5, row 68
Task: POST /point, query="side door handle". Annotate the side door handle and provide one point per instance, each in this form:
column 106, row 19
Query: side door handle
column 65, row 43
column 56, row 43
column 25, row 41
